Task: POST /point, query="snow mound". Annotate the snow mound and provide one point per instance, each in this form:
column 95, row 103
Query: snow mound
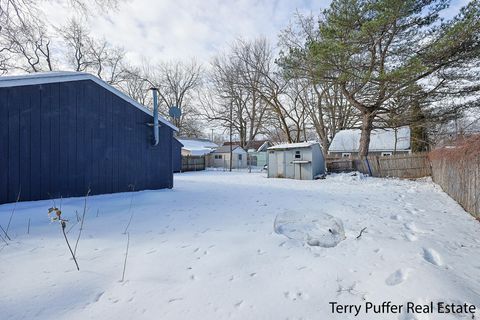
column 314, row 229
column 348, row 176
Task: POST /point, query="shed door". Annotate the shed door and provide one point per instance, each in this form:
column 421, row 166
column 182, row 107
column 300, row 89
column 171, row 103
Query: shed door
column 280, row 155
column 289, row 166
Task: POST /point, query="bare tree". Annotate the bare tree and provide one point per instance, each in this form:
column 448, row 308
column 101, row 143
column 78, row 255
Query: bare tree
column 26, row 47
column 76, row 36
column 92, row 6
column 272, row 87
column 233, row 88
column 106, row 60
column 15, row 13
column 18, row 12
column 178, row 85
column 264, row 100
column 88, row 54
column 134, row 84
column 328, row 110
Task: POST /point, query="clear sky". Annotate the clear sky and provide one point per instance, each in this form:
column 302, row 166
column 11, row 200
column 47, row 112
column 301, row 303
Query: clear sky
column 182, row 29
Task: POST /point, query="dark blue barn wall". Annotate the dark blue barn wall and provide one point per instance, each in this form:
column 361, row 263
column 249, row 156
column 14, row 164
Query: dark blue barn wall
column 176, row 155
column 61, row 139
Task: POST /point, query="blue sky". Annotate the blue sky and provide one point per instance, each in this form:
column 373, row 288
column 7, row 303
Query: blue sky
column 183, row 29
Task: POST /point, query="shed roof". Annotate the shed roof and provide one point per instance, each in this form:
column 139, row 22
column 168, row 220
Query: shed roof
column 175, row 139
column 297, row 145
column 380, row 140
column 258, row 145
column 198, row 147
column 66, row 76
column 226, row 149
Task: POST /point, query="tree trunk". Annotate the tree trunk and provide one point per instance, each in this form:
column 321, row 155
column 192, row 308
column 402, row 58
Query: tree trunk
column 419, row 136
column 367, row 126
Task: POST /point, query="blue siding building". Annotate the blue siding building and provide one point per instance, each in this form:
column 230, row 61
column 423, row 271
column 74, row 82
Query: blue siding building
column 177, row 155
column 63, row 133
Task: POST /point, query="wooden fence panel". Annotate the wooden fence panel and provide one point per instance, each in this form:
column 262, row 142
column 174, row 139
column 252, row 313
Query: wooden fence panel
column 402, row 166
column 460, row 178
column 193, row 163
column 339, row 165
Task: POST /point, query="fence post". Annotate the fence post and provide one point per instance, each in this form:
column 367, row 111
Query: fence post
column 378, row 165
column 368, row 166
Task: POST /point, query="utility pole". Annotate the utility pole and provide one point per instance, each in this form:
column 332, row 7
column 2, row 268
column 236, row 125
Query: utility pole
column 231, row 125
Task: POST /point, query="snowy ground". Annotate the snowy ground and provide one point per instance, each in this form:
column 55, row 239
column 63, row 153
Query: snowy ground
column 207, row 250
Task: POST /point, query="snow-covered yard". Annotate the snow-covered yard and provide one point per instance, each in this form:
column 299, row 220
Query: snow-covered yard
column 207, row 249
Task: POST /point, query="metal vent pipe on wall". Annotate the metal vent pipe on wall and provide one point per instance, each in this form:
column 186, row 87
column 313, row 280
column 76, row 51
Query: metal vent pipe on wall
column 155, row 116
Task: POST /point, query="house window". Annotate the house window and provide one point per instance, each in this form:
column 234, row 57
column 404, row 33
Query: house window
column 386, row 154
column 346, row 155
column 218, row 156
column 239, row 157
column 297, row 155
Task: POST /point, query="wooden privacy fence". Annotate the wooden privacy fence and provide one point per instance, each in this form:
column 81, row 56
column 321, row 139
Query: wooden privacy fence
column 407, row 166
column 339, row 165
column 193, row 163
column 457, row 171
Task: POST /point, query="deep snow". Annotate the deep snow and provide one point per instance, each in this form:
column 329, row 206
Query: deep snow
column 207, row 249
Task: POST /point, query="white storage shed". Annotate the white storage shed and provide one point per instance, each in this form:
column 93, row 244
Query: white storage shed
column 301, row 161
column 220, row 157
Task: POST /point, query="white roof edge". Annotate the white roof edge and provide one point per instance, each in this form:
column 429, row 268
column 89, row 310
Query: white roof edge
column 65, row 76
column 265, row 143
column 294, row 145
column 369, row 150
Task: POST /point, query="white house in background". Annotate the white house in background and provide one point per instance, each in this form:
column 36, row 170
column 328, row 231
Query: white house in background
column 301, row 161
column 383, row 142
column 197, row 147
column 220, row 157
column 257, row 152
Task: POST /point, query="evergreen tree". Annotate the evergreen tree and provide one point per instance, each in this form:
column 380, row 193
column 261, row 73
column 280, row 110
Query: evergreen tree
column 374, row 50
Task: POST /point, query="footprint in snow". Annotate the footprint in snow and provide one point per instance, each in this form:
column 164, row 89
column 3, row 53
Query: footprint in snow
column 397, row 277
column 410, row 237
column 98, row 296
column 396, row 217
column 413, row 227
column 294, row 296
column 432, row 256
column 238, row 304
